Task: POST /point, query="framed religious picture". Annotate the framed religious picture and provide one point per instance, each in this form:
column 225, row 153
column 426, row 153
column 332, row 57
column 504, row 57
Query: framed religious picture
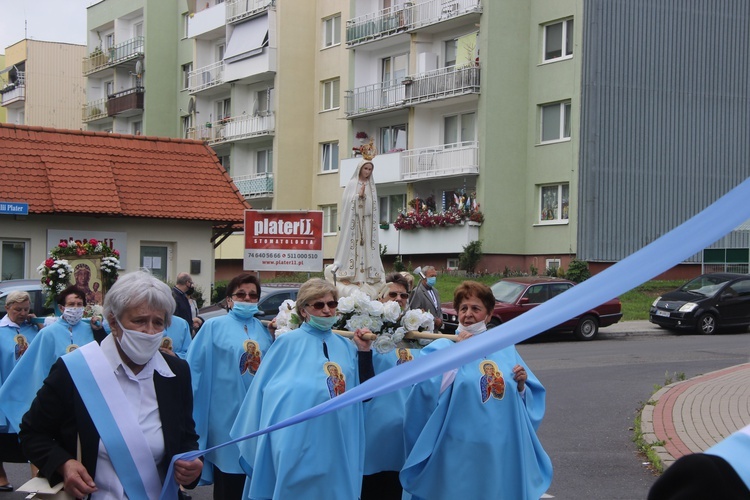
column 87, row 276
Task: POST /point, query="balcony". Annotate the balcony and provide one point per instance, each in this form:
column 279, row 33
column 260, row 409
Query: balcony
column 387, row 169
column 412, row 16
column 206, row 77
column 126, row 103
column 442, row 83
column 255, row 185
column 447, row 160
column 237, row 129
column 15, row 92
column 374, row 98
column 207, row 23
column 238, row 10
column 432, row 240
column 94, row 110
column 116, row 55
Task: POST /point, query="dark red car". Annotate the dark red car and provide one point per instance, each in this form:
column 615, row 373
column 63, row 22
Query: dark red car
column 515, row 296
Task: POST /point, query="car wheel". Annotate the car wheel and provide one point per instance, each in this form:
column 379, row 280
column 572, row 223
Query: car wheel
column 587, row 328
column 707, row 324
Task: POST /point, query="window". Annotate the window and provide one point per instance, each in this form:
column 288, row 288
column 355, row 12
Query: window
column 264, row 102
column 555, row 122
column 220, row 52
column 155, row 259
column 459, row 128
column 393, row 138
column 187, row 126
column 265, row 161
column 331, row 94
column 390, row 207
column 554, row 203
column 137, row 127
column 725, row 260
column 462, row 51
column 332, row 31
column 451, row 264
column 552, row 264
column 109, row 41
column 330, row 218
column 186, row 69
column 394, row 68
column 558, row 40
column 109, row 88
column 223, row 108
column 226, row 163
column 330, row 157
column 185, row 25
column 138, row 29
column 12, row 260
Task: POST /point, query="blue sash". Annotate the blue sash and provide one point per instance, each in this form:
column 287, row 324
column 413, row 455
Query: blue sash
column 123, row 439
column 735, row 449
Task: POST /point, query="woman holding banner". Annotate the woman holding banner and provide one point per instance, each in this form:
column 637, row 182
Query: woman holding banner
column 321, row 457
column 123, row 408
column 471, row 433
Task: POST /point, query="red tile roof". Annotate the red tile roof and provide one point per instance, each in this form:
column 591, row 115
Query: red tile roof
column 96, row 173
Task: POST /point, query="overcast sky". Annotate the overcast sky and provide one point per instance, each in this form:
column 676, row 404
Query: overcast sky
column 49, row 20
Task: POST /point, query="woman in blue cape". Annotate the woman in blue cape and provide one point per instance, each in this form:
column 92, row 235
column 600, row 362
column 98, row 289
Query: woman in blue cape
column 471, row 433
column 322, row 457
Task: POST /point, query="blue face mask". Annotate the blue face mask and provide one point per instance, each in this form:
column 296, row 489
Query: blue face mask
column 431, row 281
column 323, row 323
column 245, row 310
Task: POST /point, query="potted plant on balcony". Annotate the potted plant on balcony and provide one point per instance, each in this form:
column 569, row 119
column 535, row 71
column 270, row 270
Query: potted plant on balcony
column 361, row 136
column 225, row 120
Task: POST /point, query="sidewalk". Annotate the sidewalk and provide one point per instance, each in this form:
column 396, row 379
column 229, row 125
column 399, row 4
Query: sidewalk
column 693, row 415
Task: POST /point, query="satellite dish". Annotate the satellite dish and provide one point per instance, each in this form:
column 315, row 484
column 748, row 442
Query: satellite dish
column 191, row 105
column 139, row 67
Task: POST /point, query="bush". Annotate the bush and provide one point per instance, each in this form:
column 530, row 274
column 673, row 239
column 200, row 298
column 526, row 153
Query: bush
column 220, row 291
column 578, row 271
column 469, row 258
column 399, row 265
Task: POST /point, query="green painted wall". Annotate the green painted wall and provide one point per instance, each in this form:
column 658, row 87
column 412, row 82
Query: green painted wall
column 3, row 113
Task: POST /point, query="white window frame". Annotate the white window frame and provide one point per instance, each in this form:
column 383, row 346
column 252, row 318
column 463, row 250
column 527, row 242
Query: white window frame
column 327, row 165
column 451, row 264
column 225, row 161
column 187, row 124
column 185, row 24
column 330, row 219
column 460, row 128
column 186, row 70
column 26, row 247
column 558, row 219
column 567, row 26
column 552, row 263
column 267, row 161
column 565, row 110
column 330, row 98
column 389, row 206
column 137, row 127
column 332, row 31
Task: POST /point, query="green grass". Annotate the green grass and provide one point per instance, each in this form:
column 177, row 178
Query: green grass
column 636, row 302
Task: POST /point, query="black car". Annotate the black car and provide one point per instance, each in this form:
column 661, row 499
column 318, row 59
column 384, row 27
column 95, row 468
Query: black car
column 272, row 295
column 705, row 304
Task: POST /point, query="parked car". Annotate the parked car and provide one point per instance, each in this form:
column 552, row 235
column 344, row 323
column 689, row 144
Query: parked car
column 33, row 287
column 705, row 304
column 272, row 295
column 515, row 296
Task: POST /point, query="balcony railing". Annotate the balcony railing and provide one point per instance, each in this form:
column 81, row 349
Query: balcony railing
column 206, row 77
column 117, row 54
column 94, row 110
column 443, row 82
column 124, row 101
column 237, row 10
column 376, row 97
column 234, row 129
column 255, row 185
column 424, row 87
column 410, row 16
column 446, row 160
column 15, row 91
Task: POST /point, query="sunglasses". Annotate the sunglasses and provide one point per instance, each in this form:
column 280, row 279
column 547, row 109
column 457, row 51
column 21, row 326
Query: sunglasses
column 393, row 295
column 243, row 295
column 332, row 304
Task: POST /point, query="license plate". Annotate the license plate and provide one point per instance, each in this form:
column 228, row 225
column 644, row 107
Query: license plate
column 663, row 313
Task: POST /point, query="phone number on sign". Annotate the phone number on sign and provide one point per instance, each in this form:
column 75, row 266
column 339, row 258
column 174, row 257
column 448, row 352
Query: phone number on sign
column 279, row 255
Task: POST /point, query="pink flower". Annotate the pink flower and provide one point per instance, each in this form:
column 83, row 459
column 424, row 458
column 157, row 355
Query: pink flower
column 63, row 244
column 116, row 252
column 81, row 251
column 93, row 242
column 49, row 262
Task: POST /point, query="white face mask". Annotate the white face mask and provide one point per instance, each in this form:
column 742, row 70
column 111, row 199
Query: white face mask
column 139, row 346
column 474, row 329
column 72, row 315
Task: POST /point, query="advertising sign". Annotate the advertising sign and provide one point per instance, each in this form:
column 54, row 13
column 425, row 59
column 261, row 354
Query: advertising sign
column 283, row 240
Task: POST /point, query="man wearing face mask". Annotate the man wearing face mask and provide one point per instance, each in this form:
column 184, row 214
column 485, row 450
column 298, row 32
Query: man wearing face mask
column 218, row 362
column 426, row 296
column 65, row 335
column 183, row 287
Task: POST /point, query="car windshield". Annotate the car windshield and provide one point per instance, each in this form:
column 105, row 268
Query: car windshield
column 705, row 285
column 507, row 291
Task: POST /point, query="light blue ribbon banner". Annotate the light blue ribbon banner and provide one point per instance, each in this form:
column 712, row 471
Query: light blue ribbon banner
column 675, row 247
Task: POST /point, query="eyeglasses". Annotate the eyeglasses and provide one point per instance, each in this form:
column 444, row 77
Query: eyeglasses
column 244, row 295
column 393, row 295
column 332, row 304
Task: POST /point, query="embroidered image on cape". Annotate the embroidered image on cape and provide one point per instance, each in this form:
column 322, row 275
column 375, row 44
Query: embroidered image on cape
column 250, row 359
column 404, row 356
column 492, row 382
column 335, row 381
column 21, row 345
column 166, row 343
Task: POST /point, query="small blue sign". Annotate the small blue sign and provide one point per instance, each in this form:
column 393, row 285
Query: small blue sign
column 13, row 208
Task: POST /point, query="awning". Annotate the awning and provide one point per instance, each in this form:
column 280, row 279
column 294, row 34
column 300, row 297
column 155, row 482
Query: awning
column 247, row 39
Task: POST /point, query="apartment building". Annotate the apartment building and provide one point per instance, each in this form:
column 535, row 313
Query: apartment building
column 3, row 112
column 40, row 84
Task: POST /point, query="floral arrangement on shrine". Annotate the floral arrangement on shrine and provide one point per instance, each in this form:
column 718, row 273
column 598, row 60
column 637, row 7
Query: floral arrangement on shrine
column 359, row 311
column 57, row 271
column 423, row 213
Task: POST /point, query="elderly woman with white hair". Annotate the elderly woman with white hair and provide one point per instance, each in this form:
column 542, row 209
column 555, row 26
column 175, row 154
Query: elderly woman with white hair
column 16, row 333
column 127, row 406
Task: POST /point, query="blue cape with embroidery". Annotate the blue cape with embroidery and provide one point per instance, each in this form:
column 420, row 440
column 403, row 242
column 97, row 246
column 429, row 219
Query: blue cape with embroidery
column 11, row 352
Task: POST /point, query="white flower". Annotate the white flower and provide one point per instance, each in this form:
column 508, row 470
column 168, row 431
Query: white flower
column 357, row 322
column 374, row 308
column 428, row 322
column 61, row 273
column 362, row 299
column 391, row 311
column 347, row 305
column 374, row 323
column 98, row 247
column 412, row 319
column 384, row 344
column 398, row 335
